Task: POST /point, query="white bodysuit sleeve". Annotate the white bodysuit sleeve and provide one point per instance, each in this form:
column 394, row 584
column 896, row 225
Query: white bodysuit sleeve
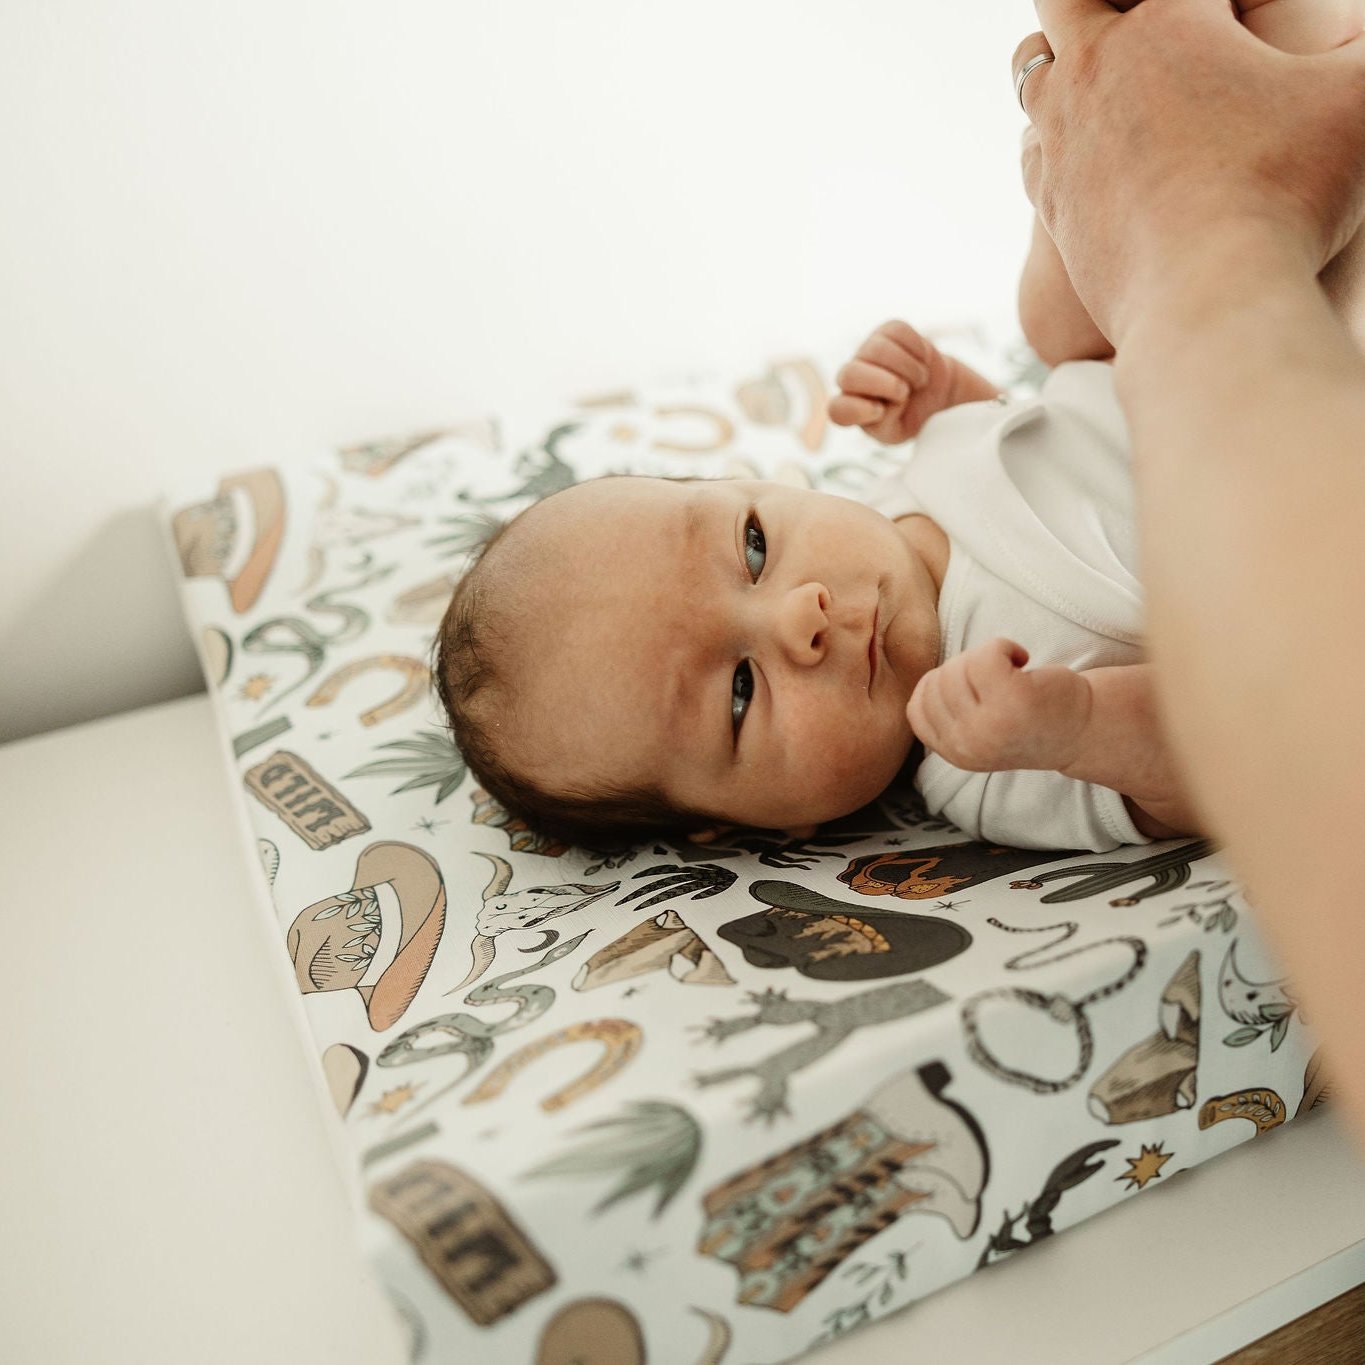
column 1027, row 808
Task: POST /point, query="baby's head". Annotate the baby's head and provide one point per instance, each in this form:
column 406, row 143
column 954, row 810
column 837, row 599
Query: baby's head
column 638, row 655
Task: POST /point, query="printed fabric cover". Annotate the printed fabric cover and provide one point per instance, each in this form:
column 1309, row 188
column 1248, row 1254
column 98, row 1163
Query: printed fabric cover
column 687, row 1104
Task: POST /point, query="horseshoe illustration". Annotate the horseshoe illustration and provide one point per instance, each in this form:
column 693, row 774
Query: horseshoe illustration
column 416, row 678
column 470, row 1037
column 1262, row 1106
column 620, row 1039
column 723, row 429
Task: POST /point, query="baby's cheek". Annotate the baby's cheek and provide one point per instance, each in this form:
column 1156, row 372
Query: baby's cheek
column 863, row 765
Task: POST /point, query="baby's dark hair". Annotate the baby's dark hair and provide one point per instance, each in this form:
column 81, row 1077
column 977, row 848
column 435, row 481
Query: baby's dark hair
column 476, row 691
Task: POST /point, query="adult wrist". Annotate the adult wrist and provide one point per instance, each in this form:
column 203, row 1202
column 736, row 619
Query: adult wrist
column 1188, row 284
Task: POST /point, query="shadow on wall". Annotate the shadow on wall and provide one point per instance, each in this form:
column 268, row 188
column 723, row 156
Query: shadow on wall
column 113, row 599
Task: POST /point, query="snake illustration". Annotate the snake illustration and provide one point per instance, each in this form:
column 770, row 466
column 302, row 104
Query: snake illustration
column 474, row 1037
column 619, row 1037
column 293, row 635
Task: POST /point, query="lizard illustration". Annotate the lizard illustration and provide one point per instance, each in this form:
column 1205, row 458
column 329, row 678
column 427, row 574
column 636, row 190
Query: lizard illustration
column 834, row 1020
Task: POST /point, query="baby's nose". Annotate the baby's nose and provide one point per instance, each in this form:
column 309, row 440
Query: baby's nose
column 803, row 622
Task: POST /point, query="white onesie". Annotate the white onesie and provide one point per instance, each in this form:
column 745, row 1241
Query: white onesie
column 1036, row 498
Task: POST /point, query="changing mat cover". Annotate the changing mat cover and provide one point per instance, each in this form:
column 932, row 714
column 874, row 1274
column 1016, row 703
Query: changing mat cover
column 683, row 1104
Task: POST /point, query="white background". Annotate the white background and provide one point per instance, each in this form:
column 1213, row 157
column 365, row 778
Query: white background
column 233, row 234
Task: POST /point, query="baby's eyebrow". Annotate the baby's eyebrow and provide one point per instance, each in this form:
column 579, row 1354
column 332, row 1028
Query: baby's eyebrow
column 694, row 521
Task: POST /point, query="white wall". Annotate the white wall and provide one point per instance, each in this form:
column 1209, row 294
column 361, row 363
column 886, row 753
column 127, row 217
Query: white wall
column 236, row 233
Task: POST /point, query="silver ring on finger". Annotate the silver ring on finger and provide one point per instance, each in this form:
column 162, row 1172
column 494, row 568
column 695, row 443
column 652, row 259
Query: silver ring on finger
column 1024, row 75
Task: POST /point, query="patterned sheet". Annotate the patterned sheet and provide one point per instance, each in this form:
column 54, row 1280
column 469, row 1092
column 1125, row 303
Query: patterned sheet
column 685, row 1104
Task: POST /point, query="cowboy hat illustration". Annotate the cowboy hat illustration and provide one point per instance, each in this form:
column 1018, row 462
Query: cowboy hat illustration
column 235, row 535
column 833, row 940
column 379, row 937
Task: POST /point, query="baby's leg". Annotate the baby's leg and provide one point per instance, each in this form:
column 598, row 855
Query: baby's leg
column 1303, row 26
column 1054, row 320
column 1308, row 26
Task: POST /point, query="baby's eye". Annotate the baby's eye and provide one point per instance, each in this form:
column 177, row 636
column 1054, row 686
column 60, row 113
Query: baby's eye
column 755, row 543
column 741, row 690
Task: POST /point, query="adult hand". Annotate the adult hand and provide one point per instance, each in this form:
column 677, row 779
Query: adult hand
column 1166, row 124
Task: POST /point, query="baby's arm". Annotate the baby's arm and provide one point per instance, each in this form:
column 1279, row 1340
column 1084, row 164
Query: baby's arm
column 981, row 711
column 1054, row 321
column 1303, row 26
column 897, row 380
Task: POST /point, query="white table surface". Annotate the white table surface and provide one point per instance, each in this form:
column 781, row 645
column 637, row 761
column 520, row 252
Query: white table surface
column 178, row 1201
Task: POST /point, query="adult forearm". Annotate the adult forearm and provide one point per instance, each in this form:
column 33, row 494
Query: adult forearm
column 1247, row 404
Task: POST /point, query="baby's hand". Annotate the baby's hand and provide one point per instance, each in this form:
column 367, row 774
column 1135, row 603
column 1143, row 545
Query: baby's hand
column 895, row 382
column 982, row 712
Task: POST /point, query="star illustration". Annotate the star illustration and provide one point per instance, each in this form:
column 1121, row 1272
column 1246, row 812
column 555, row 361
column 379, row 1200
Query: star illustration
column 949, row 905
column 629, row 991
column 256, row 686
column 638, row 1260
column 428, row 825
column 1146, row 1167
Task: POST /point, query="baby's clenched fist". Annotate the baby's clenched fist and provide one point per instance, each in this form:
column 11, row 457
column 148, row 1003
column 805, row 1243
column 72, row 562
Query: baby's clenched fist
column 895, row 382
column 981, row 711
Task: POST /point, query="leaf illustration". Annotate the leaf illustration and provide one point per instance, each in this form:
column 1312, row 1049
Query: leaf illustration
column 654, row 1145
column 431, row 759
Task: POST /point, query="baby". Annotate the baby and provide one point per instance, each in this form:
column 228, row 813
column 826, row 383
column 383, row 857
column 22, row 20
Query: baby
column 635, row 655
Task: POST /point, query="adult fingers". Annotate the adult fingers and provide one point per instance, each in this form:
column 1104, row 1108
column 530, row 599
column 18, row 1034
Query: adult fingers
column 1031, row 163
column 1064, row 21
column 1030, row 57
